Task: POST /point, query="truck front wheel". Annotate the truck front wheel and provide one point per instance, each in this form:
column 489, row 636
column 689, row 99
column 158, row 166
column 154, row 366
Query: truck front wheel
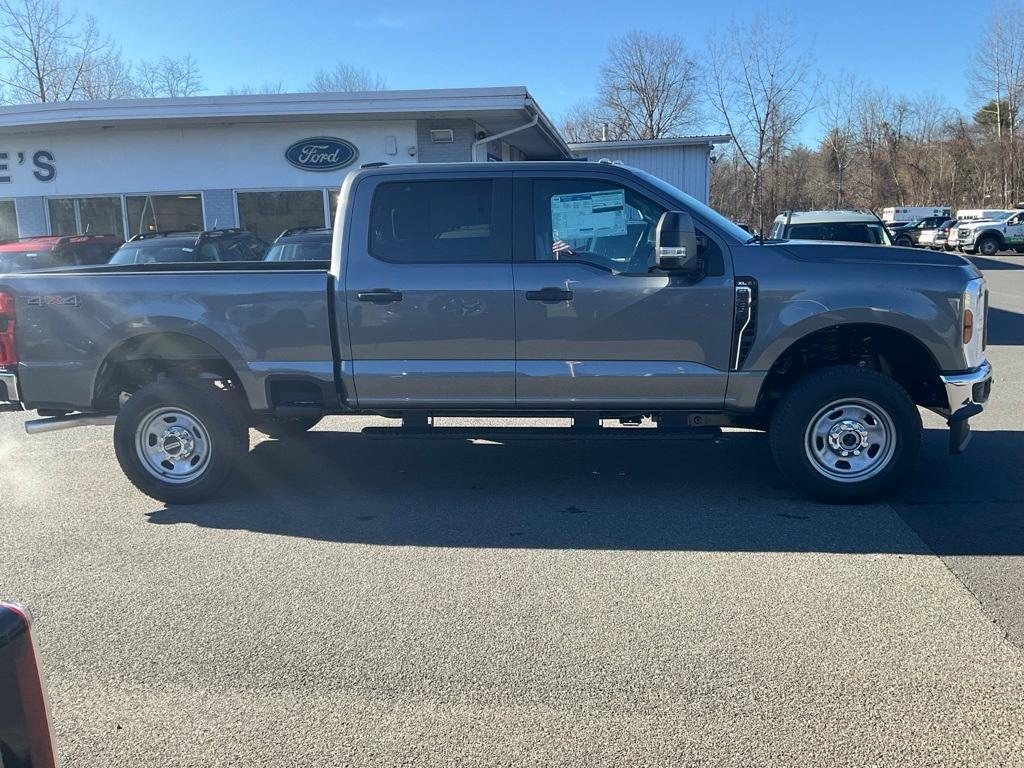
column 179, row 441
column 845, row 434
column 988, row 246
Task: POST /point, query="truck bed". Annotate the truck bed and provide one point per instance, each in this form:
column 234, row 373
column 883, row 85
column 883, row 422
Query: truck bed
column 265, row 319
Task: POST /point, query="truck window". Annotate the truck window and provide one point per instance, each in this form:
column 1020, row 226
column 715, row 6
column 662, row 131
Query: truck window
column 416, row 222
column 596, row 222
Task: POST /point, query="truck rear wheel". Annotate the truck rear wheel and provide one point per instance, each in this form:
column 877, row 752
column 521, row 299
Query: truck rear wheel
column 280, row 429
column 179, row 441
column 845, row 434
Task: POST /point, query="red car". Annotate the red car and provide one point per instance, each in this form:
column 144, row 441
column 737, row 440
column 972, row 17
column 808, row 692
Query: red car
column 48, row 251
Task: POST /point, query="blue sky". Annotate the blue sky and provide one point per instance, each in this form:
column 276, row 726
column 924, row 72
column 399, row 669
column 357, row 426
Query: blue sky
column 554, row 49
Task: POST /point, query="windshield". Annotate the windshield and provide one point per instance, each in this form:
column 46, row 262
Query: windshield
column 846, row 232
column 697, row 207
column 302, row 250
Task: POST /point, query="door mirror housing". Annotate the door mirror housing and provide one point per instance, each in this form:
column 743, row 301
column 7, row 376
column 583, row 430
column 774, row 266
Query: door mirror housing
column 675, row 248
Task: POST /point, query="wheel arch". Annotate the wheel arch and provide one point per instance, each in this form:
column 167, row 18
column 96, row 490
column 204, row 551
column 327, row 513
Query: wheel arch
column 142, row 358
column 893, row 351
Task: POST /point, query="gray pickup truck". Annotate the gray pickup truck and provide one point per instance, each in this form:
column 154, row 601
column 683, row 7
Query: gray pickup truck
column 582, row 290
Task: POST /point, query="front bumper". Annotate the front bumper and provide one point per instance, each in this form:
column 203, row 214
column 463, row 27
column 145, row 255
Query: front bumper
column 966, row 394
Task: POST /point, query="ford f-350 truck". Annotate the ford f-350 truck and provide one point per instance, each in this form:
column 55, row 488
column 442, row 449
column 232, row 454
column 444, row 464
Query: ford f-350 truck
column 569, row 289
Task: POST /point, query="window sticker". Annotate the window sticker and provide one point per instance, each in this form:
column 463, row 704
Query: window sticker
column 588, row 214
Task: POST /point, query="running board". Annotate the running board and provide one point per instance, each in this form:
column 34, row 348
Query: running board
column 501, row 434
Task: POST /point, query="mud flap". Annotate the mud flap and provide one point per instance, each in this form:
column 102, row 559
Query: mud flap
column 960, row 428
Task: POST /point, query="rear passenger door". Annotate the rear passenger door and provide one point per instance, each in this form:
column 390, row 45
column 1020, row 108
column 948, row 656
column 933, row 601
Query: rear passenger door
column 428, row 291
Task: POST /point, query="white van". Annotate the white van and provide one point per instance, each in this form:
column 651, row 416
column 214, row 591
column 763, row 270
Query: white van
column 897, row 215
column 973, row 214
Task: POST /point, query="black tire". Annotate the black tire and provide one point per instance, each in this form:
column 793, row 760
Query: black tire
column 807, row 403
column 988, row 246
column 218, row 437
column 280, row 429
column 904, row 242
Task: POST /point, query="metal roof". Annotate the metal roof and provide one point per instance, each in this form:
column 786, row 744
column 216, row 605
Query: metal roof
column 494, row 109
column 676, row 141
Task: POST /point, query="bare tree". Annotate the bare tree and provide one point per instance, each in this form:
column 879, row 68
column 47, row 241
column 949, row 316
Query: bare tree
column 268, row 86
column 997, row 77
column 169, row 77
column 838, row 147
column 650, row 86
column 762, row 88
column 346, row 77
column 111, row 78
column 588, row 121
column 47, row 53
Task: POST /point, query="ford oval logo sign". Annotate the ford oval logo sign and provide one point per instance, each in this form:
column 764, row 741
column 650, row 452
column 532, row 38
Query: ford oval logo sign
column 321, row 153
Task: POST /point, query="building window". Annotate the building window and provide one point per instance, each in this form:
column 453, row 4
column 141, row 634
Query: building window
column 163, row 213
column 8, row 220
column 332, row 197
column 268, row 214
column 86, row 215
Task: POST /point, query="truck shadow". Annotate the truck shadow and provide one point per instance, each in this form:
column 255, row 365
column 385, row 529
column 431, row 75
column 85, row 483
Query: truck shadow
column 1005, row 327
column 722, row 495
column 986, row 264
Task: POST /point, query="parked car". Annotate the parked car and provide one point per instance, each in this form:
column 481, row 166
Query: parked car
column 941, row 240
column 989, row 236
column 302, row 244
column 588, row 290
column 835, row 226
column 213, row 245
column 910, row 233
column 48, row 251
column 26, row 738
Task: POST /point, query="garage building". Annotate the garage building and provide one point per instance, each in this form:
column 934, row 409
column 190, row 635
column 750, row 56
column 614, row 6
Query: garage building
column 267, row 162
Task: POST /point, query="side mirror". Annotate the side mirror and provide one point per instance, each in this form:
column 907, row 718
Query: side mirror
column 675, row 248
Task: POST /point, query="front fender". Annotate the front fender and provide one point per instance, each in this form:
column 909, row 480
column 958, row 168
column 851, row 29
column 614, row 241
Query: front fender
column 931, row 318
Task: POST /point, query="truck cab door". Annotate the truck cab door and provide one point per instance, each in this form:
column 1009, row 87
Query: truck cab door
column 1014, row 234
column 597, row 326
column 428, row 292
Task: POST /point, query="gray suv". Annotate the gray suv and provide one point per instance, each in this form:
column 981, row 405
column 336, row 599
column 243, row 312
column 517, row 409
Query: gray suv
column 833, row 226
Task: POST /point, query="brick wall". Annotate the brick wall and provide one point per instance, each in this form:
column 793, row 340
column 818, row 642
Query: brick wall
column 460, row 151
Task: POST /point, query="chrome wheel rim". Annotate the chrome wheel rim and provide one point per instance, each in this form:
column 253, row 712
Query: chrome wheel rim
column 850, row 440
column 173, row 445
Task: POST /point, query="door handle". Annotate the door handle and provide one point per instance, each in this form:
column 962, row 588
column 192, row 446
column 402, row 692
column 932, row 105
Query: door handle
column 549, row 294
column 379, row 295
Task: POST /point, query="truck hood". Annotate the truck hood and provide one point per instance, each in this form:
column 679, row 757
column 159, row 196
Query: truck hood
column 819, row 251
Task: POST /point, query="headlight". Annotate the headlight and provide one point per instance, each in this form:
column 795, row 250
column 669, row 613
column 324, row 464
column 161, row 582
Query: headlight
column 973, row 312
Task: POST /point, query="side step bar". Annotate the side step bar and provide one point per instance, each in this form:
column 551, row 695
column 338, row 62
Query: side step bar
column 545, row 433
column 38, row 426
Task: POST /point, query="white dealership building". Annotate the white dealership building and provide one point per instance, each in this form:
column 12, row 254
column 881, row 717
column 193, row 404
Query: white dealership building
column 267, row 162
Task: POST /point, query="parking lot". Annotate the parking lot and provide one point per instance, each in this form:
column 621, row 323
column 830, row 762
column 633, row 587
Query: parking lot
column 362, row 601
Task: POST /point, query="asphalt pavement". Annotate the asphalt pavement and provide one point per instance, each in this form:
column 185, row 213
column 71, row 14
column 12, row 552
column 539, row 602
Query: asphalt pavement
column 362, row 601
